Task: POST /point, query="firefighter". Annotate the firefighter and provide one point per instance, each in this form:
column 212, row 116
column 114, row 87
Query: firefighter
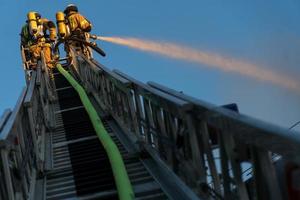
column 78, row 27
column 34, row 37
column 77, row 23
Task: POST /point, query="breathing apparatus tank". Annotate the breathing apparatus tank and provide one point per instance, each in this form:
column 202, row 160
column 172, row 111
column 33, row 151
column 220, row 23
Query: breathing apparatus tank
column 60, row 20
column 32, row 22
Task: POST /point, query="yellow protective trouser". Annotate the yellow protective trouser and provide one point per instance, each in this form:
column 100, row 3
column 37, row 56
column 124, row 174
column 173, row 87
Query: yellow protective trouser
column 36, row 53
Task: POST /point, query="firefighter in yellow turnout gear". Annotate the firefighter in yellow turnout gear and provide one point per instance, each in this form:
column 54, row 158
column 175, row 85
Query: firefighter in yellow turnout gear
column 76, row 22
column 35, row 37
column 77, row 27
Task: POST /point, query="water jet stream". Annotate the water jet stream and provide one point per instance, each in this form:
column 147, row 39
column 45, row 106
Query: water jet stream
column 210, row 59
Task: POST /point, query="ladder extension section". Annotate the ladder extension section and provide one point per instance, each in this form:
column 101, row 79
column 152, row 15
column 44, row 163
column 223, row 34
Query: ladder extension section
column 134, row 140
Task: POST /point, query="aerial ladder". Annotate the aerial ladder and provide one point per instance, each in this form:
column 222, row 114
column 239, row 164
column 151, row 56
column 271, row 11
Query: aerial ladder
column 94, row 133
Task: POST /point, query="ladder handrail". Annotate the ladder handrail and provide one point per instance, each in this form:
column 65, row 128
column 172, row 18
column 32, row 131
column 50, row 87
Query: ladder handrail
column 10, row 121
column 273, row 134
column 20, row 138
column 4, row 118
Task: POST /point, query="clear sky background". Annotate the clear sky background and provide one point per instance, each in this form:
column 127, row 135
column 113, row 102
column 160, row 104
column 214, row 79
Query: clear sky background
column 266, row 33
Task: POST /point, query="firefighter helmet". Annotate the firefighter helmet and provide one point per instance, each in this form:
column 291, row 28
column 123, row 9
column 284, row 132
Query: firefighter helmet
column 70, row 8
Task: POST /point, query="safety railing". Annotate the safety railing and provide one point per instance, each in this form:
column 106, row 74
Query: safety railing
column 209, row 147
column 22, row 138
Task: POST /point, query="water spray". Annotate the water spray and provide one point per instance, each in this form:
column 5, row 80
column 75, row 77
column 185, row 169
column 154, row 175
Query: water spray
column 209, row 59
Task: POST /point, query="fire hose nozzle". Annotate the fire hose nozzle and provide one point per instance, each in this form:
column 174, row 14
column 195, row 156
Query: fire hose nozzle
column 93, row 36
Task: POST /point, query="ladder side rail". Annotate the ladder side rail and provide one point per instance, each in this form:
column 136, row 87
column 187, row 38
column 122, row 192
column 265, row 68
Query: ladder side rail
column 34, row 105
column 106, row 85
column 101, row 82
column 245, row 134
column 245, row 128
column 7, row 189
column 17, row 156
column 47, row 95
column 21, row 143
column 4, row 118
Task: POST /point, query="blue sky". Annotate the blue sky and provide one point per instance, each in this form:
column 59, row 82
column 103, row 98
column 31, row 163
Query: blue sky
column 261, row 32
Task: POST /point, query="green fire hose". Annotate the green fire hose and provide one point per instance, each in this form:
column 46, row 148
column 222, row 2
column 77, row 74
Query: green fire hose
column 125, row 191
